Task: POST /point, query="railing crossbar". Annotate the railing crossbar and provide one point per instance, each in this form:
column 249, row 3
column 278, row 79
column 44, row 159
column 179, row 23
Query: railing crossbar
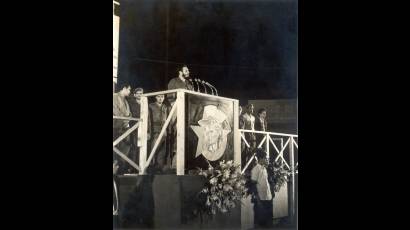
column 161, row 134
column 244, row 140
column 123, row 156
column 281, row 152
column 125, row 134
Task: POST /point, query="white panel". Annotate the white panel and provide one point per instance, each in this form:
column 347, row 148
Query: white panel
column 116, row 30
column 280, row 202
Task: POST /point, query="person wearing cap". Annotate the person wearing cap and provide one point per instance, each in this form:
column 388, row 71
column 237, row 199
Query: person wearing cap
column 212, row 133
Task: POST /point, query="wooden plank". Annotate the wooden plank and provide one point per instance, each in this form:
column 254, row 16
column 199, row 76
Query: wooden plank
column 244, row 140
column 270, row 133
column 126, row 118
column 143, row 131
column 123, row 156
column 236, row 135
column 180, row 133
column 187, row 92
column 125, row 134
column 280, row 203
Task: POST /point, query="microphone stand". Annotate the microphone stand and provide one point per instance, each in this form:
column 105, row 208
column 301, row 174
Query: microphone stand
column 203, row 85
column 198, row 82
column 197, row 86
column 209, row 85
column 192, row 83
column 216, row 91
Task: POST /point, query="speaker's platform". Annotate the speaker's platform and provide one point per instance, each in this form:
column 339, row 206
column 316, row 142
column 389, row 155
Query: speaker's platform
column 165, row 201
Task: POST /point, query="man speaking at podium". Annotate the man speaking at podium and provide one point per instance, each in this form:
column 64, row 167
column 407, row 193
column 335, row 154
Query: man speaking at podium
column 180, row 82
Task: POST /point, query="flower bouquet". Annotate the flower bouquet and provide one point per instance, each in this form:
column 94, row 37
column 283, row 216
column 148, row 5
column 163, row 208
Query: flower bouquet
column 278, row 174
column 224, row 188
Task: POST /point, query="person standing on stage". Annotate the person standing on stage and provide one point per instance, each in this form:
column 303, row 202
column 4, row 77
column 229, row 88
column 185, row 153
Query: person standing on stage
column 158, row 113
column 262, row 195
column 180, row 82
column 248, row 123
column 261, row 125
column 135, row 107
column 241, row 123
column 121, row 109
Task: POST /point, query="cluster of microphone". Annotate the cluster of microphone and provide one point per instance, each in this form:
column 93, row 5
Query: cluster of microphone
column 197, row 83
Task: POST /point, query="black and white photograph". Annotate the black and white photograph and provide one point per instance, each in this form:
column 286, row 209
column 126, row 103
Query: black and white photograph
column 205, row 114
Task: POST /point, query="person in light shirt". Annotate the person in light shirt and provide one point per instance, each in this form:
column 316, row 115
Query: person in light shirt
column 263, row 206
column 247, row 121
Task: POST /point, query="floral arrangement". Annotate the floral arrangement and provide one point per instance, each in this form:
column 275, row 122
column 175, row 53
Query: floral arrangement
column 224, row 188
column 278, row 174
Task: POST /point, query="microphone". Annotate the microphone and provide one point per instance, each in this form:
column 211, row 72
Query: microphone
column 209, row 85
column 197, row 86
column 198, row 81
column 216, row 91
column 192, row 83
column 194, row 80
column 203, row 83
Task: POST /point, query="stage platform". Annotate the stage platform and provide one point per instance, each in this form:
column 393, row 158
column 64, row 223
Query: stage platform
column 165, row 202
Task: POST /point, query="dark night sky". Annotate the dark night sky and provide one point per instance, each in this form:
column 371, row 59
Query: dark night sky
column 247, row 49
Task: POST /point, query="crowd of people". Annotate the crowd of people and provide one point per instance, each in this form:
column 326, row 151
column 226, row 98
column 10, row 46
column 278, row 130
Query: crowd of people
column 127, row 105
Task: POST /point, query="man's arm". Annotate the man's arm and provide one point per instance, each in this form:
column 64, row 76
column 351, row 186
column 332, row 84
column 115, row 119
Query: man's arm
column 115, row 107
column 241, row 122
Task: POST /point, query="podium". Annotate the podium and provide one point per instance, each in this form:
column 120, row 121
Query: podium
column 206, row 132
column 206, row 126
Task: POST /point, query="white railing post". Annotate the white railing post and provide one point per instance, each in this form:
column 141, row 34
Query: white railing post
column 180, row 133
column 281, row 146
column 281, row 143
column 115, row 210
column 267, row 145
column 292, row 165
column 144, row 132
column 236, row 135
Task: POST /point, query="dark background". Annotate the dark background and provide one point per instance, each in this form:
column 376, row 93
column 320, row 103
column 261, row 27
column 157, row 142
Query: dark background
column 246, row 49
column 353, row 51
